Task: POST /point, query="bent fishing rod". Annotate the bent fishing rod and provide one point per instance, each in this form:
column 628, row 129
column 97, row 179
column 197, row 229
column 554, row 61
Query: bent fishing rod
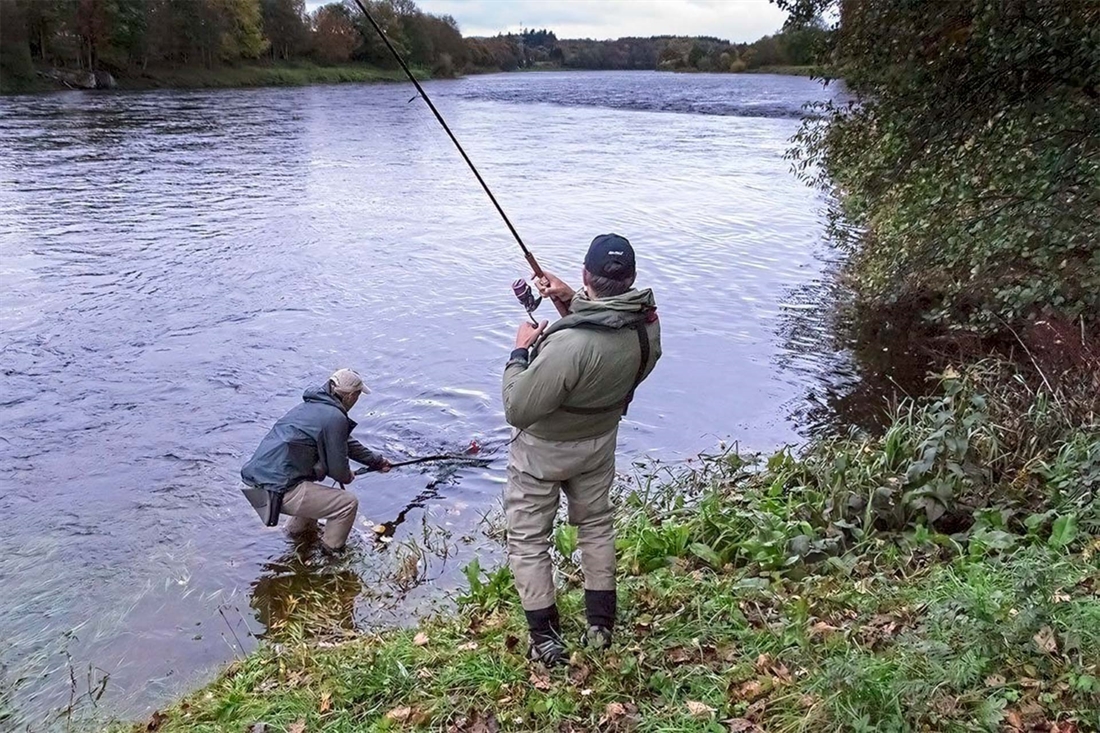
column 521, row 289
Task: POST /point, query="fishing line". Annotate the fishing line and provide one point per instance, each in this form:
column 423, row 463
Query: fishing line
column 535, row 269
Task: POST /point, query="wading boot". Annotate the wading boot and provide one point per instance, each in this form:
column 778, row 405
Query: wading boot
column 599, row 607
column 596, row 638
column 546, row 644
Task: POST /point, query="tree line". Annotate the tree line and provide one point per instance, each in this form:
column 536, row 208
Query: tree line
column 804, row 45
column 128, row 36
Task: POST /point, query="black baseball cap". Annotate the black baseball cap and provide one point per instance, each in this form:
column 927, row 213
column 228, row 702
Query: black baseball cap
column 611, row 256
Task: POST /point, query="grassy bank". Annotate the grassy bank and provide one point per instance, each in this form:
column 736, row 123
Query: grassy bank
column 259, row 75
column 942, row 576
column 264, row 75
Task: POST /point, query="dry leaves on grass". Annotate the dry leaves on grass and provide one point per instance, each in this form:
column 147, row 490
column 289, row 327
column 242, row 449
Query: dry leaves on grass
column 155, row 720
column 326, row 702
column 475, row 723
column 700, row 710
column 618, row 716
column 540, row 680
column 742, row 725
column 1046, row 641
column 421, row 639
column 298, row 726
column 405, row 715
column 468, row 646
column 579, row 675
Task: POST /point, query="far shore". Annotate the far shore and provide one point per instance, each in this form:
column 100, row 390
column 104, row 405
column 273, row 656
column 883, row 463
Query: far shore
column 300, row 74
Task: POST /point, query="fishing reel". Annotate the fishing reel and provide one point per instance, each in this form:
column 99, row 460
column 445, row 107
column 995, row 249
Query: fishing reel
column 527, row 298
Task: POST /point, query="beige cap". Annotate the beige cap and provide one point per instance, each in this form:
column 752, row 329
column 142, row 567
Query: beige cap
column 346, row 382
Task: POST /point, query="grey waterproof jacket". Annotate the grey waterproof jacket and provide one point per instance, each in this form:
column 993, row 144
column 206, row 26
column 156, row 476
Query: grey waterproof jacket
column 310, row 442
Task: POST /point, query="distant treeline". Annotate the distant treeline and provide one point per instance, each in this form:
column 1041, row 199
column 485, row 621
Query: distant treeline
column 803, row 46
column 129, row 38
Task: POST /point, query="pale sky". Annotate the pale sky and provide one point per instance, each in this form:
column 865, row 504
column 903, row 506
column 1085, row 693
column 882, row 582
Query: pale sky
column 736, row 20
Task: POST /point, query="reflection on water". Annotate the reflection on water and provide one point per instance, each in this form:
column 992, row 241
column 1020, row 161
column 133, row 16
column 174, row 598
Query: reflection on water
column 303, row 586
column 178, row 266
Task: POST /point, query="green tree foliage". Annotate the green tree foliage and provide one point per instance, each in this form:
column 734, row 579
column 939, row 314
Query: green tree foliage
column 972, row 160
column 285, row 27
column 15, row 55
column 128, row 36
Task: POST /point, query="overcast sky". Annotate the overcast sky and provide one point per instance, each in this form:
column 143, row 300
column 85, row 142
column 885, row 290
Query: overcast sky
column 736, row 20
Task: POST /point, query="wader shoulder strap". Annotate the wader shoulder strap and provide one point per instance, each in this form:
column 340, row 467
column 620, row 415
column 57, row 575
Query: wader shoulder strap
column 643, row 343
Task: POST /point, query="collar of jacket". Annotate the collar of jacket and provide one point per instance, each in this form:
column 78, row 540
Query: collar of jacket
column 323, row 396
column 619, row 311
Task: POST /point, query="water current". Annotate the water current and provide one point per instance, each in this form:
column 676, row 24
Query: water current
column 178, row 266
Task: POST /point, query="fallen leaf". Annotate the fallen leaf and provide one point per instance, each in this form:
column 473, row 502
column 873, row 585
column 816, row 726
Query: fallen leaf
column 468, row 646
column 741, row 725
column 678, row 655
column 586, row 693
column 579, row 675
column 155, row 720
column 612, row 712
column 424, row 673
column 420, row 639
column 399, row 715
column 1045, row 640
column 257, row 728
column 511, row 642
column 750, row 690
column 994, row 680
column 1014, row 721
column 699, row 710
column 298, row 726
column 540, row 681
column 823, row 629
column 326, row 702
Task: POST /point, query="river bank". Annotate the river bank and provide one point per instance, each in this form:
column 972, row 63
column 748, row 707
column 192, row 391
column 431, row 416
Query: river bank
column 292, row 74
column 938, row 577
column 227, row 77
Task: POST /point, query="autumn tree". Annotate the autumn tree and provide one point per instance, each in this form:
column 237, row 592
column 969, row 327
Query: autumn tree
column 335, row 35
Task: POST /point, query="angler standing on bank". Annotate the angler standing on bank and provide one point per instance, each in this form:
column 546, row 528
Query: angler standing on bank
column 566, row 388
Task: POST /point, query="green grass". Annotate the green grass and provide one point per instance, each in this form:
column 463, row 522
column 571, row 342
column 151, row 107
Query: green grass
column 261, row 75
column 254, row 75
column 938, row 577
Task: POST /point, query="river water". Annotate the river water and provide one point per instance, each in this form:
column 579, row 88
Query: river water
column 178, row 266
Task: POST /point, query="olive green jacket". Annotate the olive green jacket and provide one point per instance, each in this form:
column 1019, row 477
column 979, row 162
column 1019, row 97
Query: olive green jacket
column 589, row 360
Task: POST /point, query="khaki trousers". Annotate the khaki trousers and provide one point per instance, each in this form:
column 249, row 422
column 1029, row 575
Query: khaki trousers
column 538, row 471
column 307, row 502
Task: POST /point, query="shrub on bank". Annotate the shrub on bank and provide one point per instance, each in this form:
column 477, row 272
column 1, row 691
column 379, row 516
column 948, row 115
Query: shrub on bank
column 971, row 163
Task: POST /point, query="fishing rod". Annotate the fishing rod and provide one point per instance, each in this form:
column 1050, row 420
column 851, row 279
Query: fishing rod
column 430, row 459
column 404, row 67
column 520, row 288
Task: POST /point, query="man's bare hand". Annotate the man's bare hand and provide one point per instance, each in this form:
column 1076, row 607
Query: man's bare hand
column 384, row 466
column 553, row 287
column 528, row 334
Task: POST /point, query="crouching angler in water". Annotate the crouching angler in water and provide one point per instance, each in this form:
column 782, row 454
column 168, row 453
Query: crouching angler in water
column 565, row 389
column 307, row 444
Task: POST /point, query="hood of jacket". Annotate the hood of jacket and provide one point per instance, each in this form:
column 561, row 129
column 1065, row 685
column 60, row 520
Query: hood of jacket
column 618, row 311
